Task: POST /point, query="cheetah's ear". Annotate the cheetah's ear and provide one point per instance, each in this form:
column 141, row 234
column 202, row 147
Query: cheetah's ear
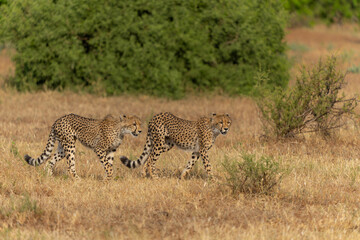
column 212, row 117
column 226, row 114
column 122, row 117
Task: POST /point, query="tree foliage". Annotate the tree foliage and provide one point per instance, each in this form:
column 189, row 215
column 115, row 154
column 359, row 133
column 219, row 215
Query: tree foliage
column 154, row 47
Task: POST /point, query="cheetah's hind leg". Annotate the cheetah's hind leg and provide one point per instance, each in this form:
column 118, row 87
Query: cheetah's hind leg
column 59, row 154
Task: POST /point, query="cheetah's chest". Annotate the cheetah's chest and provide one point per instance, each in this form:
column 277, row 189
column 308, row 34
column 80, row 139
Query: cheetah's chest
column 116, row 142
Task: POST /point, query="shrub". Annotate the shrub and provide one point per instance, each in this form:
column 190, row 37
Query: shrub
column 314, row 104
column 2, row 3
column 161, row 48
column 254, row 175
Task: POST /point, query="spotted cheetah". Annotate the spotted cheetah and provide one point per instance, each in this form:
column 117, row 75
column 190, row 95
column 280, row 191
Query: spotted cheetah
column 166, row 130
column 101, row 135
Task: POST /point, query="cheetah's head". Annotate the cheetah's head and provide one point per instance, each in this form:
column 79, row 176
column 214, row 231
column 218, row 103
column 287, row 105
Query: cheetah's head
column 221, row 122
column 131, row 124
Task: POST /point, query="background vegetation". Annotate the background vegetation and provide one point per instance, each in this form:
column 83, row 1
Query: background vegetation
column 162, row 48
column 332, row 11
column 315, row 103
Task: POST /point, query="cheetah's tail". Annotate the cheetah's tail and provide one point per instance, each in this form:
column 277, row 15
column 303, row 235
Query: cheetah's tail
column 142, row 159
column 45, row 155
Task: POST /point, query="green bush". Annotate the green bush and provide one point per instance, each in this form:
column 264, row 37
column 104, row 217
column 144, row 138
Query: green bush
column 329, row 10
column 313, row 104
column 155, row 47
column 253, row 175
column 2, row 4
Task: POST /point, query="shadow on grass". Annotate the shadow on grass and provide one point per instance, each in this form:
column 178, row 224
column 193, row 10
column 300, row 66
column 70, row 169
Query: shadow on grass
column 195, row 172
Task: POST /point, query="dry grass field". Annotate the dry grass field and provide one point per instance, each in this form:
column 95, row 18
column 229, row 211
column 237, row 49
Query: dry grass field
column 318, row 199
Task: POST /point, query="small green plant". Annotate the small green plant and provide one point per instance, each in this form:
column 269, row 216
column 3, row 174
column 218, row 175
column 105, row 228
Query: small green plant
column 330, row 47
column 254, row 175
column 353, row 175
column 313, row 104
column 346, row 56
column 25, row 205
column 298, row 47
column 14, row 150
column 354, row 69
column 28, row 205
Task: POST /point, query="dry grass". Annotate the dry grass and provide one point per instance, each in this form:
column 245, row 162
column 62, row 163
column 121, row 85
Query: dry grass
column 317, row 200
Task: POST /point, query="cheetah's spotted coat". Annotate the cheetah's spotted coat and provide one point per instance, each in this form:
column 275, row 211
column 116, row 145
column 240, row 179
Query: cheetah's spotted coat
column 102, row 135
column 166, row 130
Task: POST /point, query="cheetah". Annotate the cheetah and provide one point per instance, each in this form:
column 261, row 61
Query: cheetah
column 101, row 135
column 166, row 130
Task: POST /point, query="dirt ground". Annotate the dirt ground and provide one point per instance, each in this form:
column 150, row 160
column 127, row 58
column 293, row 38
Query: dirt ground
column 308, row 45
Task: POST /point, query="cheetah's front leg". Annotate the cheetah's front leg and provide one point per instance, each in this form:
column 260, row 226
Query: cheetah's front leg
column 194, row 157
column 206, row 162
